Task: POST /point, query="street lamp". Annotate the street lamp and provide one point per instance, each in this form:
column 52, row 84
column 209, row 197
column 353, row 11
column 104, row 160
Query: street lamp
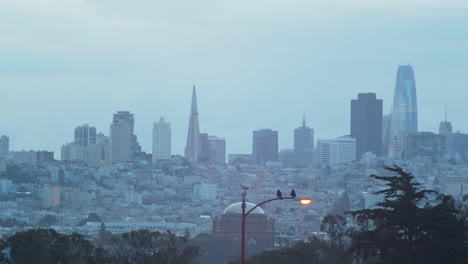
column 303, row 201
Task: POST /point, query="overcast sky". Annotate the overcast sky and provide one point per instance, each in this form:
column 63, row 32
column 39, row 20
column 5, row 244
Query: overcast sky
column 256, row 63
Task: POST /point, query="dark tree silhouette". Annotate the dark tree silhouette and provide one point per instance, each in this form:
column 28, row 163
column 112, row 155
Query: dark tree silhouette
column 402, row 230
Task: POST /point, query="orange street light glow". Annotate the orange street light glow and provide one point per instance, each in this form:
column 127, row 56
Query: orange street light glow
column 306, row 201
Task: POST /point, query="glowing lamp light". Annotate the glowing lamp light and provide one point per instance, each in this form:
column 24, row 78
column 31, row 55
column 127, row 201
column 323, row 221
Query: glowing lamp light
column 305, row 201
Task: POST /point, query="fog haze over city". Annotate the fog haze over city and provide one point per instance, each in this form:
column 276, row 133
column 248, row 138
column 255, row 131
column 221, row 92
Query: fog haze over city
column 256, row 64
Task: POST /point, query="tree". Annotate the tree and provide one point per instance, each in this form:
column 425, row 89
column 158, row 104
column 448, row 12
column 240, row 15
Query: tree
column 335, row 227
column 44, row 246
column 401, row 230
column 47, row 221
column 92, row 217
column 104, row 235
column 342, row 205
column 18, row 175
column 144, row 246
column 313, row 250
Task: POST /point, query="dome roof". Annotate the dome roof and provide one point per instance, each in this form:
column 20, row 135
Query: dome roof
column 237, row 209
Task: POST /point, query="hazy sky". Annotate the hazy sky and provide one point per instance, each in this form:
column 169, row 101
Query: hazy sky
column 256, row 63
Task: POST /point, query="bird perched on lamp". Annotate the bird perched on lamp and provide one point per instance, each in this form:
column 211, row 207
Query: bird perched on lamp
column 279, row 194
column 293, row 193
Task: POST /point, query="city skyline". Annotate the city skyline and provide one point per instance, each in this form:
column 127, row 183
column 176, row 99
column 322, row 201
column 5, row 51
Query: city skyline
column 256, row 65
column 194, row 110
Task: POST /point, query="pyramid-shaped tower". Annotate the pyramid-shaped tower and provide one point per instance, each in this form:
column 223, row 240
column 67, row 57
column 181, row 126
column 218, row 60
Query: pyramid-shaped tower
column 192, row 149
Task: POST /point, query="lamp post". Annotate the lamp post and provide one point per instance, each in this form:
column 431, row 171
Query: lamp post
column 304, row 201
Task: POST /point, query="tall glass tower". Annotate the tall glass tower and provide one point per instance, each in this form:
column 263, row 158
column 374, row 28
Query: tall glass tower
column 405, row 107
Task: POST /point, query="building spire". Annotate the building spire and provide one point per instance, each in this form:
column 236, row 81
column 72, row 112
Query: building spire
column 445, row 113
column 194, row 109
column 303, row 121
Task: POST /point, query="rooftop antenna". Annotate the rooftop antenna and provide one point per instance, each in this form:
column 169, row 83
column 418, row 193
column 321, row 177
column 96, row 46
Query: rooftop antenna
column 303, row 120
column 445, row 113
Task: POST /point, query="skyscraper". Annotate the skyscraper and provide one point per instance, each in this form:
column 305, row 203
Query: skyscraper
column 85, row 135
column 122, row 137
column 192, row 149
column 445, row 128
column 303, row 145
column 217, row 149
column 405, row 108
column 4, row 146
column 265, row 146
column 366, row 124
column 204, row 152
column 161, row 140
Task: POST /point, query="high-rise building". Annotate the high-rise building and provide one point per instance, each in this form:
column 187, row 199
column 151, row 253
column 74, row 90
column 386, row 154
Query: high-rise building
column 217, row 149
column 161, row 140
column 204, row 147
column 445, row 129
column 336, row 151
column 85, row 135
column 460, row 144
column 366, row 124
column 4, row 146
column 405, row 108
column 303, row 145
column 192, row 148
column 286, row 156
column 265, row 146
column 386, row 125
column 121, row 137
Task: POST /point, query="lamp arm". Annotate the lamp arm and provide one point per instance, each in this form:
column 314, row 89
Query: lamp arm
column 267, row 201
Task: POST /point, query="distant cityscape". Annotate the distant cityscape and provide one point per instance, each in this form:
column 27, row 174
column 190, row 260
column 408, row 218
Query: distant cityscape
column 372, row 134
column 129, row 189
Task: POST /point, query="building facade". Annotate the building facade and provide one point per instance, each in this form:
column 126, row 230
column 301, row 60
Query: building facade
column 366, row 124
column 161, row 140
column 303, row 145
column 217, row 149
column 405, row 108
column 85, row 135
column 287, row 158
column 265, row 146
column 336, row 151
column 4, row 146
column 122, row 137
column 259, row 230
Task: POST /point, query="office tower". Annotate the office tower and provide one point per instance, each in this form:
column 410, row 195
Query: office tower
column 287, row 157
column 405, row 108
column 366, row 124
column 217, row 149
column 386, row 124
column 445, row 129
column 85, row 135
column 265, row 146
column 192, row 149
column 121, row 137
column 336, row 151
column 204, row 147
column 460, row 145
column 303, row 145
column 4, row 146
column 161, row 140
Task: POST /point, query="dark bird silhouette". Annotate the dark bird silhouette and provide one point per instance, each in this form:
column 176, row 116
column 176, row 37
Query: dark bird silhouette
column 279, row 194
column 293, row 193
